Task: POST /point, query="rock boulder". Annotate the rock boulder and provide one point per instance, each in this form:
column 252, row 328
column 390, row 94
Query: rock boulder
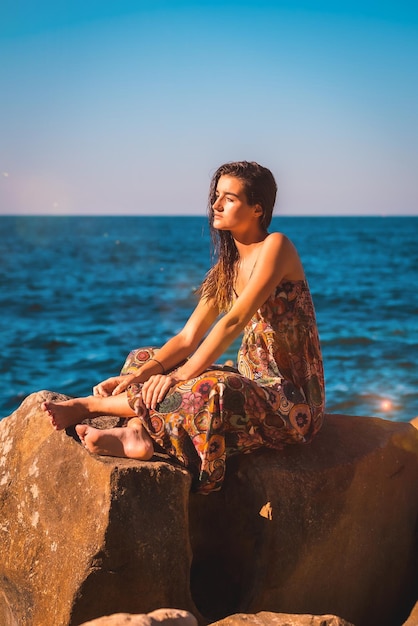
column 83, row 536
column 330, row 528
column 160, row 617
column 325, row 529
column 267, row 618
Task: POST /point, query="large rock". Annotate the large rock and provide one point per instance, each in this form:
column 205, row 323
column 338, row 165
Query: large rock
column 83, row 536
column 160, row 617
column 413, row 618
column 325, row 529
column 267, row 618
column 330, row 528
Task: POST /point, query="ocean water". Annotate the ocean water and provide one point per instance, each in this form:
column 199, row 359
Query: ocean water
column 78, row 293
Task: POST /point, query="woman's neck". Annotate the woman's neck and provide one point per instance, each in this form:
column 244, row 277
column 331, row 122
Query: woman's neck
column 247, row 246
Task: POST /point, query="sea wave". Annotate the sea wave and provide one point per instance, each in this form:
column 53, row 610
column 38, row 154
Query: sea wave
column 78, row 293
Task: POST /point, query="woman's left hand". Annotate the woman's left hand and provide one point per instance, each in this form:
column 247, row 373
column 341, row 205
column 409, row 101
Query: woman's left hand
column 156, row 388
column 124, row 382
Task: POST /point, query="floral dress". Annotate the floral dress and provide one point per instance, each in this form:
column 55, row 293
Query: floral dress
column 275, row 397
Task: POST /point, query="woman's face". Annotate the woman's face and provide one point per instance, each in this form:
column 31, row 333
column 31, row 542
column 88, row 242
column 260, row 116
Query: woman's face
column 231, row 210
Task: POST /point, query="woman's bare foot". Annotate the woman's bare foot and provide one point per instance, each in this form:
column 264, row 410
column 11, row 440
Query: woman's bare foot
column 132, row 441
column 74, row 411
column 66, row 413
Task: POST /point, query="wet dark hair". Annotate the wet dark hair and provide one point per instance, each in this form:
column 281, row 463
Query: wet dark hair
column 260, row 188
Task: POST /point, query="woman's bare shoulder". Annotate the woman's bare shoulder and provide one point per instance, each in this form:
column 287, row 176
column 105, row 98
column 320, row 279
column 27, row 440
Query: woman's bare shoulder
column 284, row 251
column 278, row 240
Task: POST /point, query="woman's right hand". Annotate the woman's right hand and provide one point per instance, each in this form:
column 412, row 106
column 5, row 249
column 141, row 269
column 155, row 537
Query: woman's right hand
column 156, row 388
column 107, row 387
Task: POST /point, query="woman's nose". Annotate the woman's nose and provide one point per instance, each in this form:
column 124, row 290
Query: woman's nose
column 217, row 205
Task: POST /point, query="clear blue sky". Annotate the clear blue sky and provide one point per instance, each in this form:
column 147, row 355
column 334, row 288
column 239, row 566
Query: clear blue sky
column 121, row 107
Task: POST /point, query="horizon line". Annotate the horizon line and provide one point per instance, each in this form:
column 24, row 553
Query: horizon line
column 277, row 215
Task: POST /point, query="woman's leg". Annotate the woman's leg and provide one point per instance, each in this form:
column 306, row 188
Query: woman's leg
column 221, row 413
column 74, row 411
column 132, row 442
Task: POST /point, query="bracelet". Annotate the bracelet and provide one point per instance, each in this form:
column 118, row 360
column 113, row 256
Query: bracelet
column 159, row 363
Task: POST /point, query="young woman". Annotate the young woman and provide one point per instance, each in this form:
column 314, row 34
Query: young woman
column 202, row 413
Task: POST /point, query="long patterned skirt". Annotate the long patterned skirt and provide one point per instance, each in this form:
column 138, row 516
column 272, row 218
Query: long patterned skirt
column 203, row 421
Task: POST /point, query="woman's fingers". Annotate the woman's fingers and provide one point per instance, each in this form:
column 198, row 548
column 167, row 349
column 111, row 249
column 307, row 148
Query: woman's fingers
column 121, row 387
column 123, row 384
column 102, row 389
column 110, row 386
column 155, row 390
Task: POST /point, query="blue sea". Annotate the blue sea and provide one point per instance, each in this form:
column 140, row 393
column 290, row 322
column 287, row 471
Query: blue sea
column 78, row 293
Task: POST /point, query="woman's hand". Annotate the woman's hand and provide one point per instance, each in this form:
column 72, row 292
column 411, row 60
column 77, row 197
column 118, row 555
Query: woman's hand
column 124, row 382
column 113, row 386
column 156, row 388
column 106, row 387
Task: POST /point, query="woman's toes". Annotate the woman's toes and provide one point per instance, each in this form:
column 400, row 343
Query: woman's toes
column 81, row 430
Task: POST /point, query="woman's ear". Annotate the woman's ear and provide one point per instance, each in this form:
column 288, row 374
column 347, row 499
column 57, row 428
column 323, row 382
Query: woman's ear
column 258, row 210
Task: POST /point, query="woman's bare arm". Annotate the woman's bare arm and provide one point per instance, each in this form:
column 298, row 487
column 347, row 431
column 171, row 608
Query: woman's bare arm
column 178, row 348
column 277, row 261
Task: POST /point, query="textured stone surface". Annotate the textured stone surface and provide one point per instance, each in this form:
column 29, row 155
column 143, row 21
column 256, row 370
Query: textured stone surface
column 325, row 529
column 83, row 536
column 167, row 617
column 267, row 618
column 413, row 618
column 330, row 528
column 160, row 617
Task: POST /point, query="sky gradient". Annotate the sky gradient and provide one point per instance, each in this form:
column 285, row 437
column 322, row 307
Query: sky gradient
column 128, row 107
